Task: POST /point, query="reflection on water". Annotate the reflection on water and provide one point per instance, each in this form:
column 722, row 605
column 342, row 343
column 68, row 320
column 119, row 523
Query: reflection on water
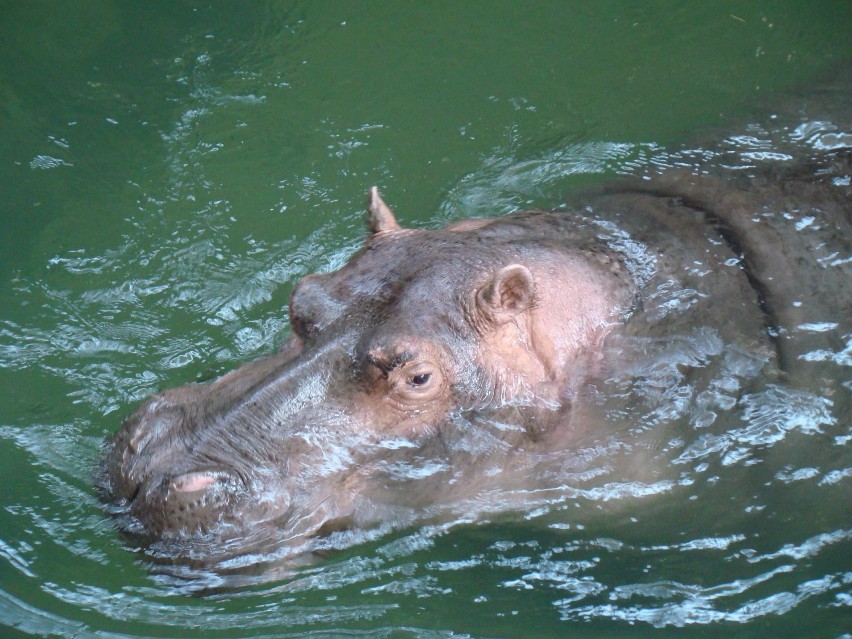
column 714, row 494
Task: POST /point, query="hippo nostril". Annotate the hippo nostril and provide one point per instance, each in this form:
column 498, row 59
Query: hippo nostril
column 151, row 424
column 138, row 440
column 193, row 482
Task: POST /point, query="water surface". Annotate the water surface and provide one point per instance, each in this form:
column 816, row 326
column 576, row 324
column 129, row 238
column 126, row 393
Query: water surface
column 170, row 170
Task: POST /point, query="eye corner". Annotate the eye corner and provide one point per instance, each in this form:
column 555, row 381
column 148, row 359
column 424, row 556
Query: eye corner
column 376, row 360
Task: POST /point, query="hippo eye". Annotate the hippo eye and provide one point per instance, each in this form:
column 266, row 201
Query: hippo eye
column 416, row 383
column 421, row 379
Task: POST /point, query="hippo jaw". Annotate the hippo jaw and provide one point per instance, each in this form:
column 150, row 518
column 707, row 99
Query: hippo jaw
column 384, row 354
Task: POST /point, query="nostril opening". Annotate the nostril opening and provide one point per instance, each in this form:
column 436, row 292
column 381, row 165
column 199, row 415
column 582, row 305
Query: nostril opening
column 193, row 482
column 138, row 440
column 150, row 424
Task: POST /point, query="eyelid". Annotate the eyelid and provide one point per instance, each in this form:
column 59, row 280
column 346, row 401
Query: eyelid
column 387, row 364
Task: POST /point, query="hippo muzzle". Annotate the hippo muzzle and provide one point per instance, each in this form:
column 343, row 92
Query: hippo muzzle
column 215, row 458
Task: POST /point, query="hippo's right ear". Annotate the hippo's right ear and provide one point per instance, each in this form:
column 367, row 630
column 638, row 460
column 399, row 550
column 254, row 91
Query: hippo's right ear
column 508, row 293
column 381, row 217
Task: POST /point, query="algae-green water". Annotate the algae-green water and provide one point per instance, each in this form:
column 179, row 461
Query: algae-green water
column 168, row 170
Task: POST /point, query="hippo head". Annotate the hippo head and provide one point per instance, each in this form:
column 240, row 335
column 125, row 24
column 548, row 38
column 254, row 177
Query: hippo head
column 421, row 334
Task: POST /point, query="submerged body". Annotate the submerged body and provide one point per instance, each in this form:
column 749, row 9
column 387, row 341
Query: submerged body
column 436, row 364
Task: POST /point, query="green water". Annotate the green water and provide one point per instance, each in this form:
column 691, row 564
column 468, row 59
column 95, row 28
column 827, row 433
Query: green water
column 169, row 170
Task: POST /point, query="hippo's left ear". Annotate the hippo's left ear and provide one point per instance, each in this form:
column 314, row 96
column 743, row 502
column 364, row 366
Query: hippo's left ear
column 381, row 216
column 508, row 293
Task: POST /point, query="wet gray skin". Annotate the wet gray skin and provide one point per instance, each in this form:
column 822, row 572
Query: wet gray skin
column 494, row 324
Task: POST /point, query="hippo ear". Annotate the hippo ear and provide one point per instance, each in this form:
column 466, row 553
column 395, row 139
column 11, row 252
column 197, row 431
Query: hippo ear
column 509, row 292
column 381, row 216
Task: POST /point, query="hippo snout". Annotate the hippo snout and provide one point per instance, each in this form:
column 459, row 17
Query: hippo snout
column 187, row 462
column 138, row 449
column 162, row 481
column 191, row 502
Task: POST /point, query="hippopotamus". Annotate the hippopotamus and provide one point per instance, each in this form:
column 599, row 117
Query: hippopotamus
column 434, row 363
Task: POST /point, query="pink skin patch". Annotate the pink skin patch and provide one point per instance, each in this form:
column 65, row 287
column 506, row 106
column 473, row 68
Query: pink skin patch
column 193, row 482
